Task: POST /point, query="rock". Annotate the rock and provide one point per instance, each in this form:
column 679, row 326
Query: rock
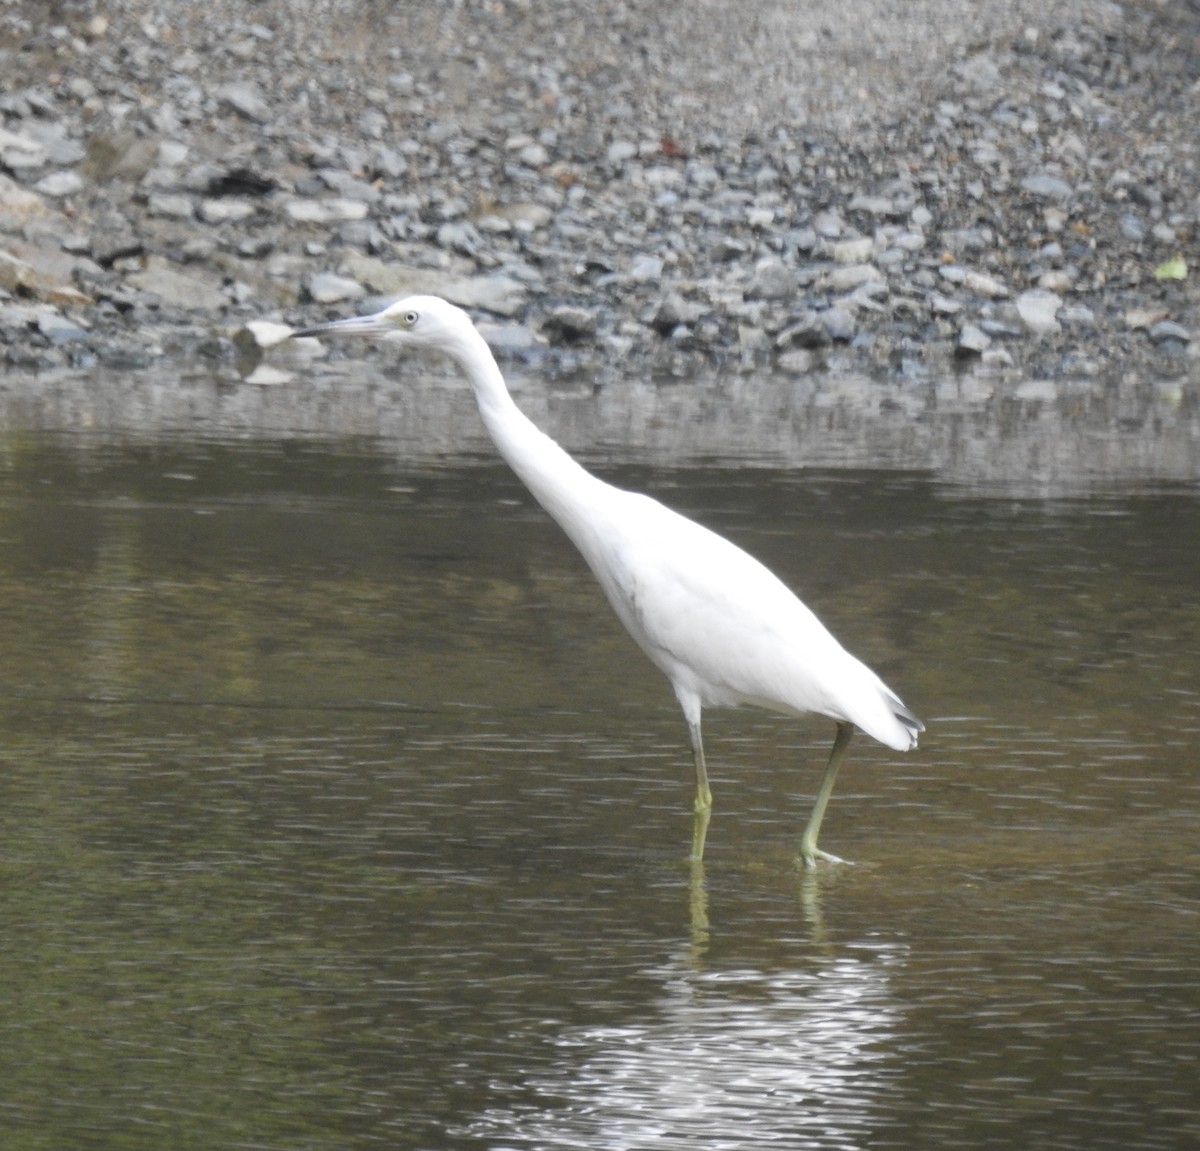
column 619, row 151
column 58, row 329
column 772, row 280
column 1038, row 310
column 515, row 340
column 568, row 324
column 852, row 276
column 186, row 291
column 225, row 211
column 872, row 205
column 745, row 208
column 41, row 273
column 525, row 217
column 855, row 251
column 828, row 224
column 673, row 313
column 499, row 294
column 646, row 268
column 60, row 184
column 840, row 323
column 1166, row 330
column 330, row 288
column 977, row 283
column 1144, row 317
column 1056, row 280
column 175, row 205
column 247, row 100
column 1047, row 186
column 325, row 211
column 807, row 330
column 796, row 361
column 19, row 207
column 973, row 340
column 266, row 334
column 460, row 236
column 19, row 152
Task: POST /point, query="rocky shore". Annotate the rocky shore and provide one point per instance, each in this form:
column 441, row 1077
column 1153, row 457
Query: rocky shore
column 613, row 186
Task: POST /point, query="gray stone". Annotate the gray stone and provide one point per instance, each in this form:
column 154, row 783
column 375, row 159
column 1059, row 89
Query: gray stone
column 1166, row 330
column 569, row 324
column 247, row 100
column 646, row 268
column 176, row 289
column 173, row 204
column 1047, row 186
column 498, row 293
column 805, row 331
column 854, row 251
column 844, row 279
column 60, row 184
column 325, row 211
column 1038, row 310
column 772, row 280
column 330, row 288
column 18, row 152
column 973, row 340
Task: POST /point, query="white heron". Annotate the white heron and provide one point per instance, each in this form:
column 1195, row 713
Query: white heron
column 718, row 624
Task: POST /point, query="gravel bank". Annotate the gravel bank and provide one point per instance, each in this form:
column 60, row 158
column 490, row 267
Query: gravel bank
column 640, row 187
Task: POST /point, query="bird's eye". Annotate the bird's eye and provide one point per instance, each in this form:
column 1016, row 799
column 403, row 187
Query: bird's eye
column 410, row 318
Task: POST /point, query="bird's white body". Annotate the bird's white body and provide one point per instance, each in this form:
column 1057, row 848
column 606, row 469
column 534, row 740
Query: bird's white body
column 721, row 626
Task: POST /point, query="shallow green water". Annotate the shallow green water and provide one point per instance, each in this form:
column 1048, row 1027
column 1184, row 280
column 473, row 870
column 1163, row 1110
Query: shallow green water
column 336, row 811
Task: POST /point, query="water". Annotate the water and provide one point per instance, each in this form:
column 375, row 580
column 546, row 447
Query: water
column 336, row 811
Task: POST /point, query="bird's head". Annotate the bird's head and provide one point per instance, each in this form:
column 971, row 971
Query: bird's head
column 414, row 322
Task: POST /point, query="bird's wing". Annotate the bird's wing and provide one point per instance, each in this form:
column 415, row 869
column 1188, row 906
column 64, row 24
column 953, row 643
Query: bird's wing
column 724, row 627
column 703, row 608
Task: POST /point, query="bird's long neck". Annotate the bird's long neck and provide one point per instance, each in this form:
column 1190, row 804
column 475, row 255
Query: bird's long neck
column 560, row 484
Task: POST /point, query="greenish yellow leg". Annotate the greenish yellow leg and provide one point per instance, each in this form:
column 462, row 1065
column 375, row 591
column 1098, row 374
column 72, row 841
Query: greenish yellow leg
column 809, row 852
column 703, row 803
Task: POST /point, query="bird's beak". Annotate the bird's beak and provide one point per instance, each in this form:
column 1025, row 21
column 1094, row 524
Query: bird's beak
column 373, row 325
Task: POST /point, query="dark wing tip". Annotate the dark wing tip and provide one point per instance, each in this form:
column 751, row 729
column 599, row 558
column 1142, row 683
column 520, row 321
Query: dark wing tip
column 909, row 721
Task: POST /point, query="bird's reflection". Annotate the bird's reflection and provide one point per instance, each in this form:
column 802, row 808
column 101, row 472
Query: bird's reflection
column 728, row 1058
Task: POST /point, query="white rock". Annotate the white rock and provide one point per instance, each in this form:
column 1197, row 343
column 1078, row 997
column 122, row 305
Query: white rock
column 20, row 151
column 330, row 288
column 844, row 279
column 223, row 210
column 1038, row 310
column 59, row 184
column 981, row 284
column 499, row 294
column 854, row 251
column 267, row 334
column 621, row 150
column 325, row 211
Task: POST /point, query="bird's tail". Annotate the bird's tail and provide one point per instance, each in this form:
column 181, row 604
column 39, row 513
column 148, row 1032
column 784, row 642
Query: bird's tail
column 907, row 720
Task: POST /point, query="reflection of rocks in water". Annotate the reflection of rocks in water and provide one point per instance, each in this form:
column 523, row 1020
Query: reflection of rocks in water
column 1020, row 437
column 731, row 1059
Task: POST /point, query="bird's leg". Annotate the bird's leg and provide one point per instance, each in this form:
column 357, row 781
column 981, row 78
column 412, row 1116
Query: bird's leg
column 809, row 852
column 703, row 803
column 703, row 791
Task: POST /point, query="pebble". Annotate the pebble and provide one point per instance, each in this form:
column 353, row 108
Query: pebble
column 972, row 339
column 614, row 207
column 773, row 279
column 1166, row 330
column 568, row 324
column 842, row 279
column 1038, row 310
column 855, row 251
column 330, row 288
column 1047, row 186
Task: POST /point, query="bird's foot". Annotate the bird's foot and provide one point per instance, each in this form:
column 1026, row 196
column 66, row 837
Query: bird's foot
column 811, row 856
